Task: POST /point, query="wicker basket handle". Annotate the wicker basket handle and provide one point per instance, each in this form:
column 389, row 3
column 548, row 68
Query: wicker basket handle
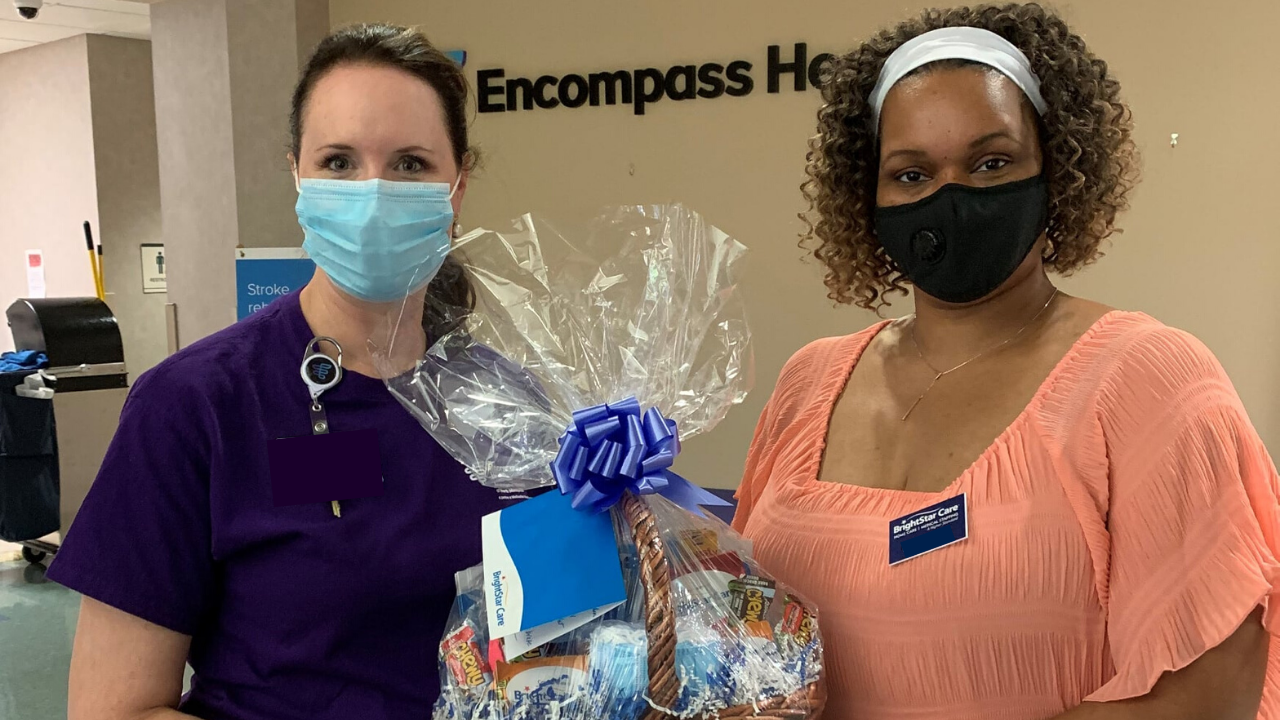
column 659, row 620
column 660, row 625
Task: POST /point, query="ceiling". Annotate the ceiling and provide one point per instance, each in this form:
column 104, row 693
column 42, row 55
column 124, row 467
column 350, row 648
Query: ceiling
column 60, row 19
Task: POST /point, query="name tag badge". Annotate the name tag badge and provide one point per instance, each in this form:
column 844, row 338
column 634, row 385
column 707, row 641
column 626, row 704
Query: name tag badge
column 932, row 528
column 325, row 468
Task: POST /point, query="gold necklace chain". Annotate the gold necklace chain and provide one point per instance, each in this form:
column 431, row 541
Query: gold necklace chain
column 939, row 374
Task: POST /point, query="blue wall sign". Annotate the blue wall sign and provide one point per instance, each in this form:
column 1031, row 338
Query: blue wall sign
column 263, row 275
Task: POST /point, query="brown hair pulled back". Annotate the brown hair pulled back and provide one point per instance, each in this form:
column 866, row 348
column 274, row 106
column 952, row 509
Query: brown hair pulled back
column 404, row 49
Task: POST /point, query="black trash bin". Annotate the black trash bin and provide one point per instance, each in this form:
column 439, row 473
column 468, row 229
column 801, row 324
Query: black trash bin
column 81, row 338
column 79, row 335
column 30, row 489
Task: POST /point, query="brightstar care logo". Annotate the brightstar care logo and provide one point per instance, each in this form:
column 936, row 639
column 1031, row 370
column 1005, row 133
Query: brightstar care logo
column 644, row 86
column 912, row 522
column 499, row 591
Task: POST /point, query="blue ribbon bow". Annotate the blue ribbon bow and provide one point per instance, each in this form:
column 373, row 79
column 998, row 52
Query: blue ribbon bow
column 612, row 448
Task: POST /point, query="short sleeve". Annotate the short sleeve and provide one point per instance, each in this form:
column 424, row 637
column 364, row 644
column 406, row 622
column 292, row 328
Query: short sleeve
column 809, row 371
column 141, row 540
column 1193, row 514
column 756, row 472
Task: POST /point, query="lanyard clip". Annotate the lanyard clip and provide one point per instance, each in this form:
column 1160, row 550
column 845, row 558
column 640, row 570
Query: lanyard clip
column 321, row 371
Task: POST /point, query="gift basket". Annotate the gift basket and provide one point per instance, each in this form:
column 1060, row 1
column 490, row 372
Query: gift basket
column 585, row 360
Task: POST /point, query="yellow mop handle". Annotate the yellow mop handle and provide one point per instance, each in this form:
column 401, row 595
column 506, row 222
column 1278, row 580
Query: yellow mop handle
column 93, row 262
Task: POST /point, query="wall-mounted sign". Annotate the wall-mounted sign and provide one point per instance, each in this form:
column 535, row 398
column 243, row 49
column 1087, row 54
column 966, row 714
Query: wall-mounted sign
column 644, row 86
column 154, row 275
column 263, row 275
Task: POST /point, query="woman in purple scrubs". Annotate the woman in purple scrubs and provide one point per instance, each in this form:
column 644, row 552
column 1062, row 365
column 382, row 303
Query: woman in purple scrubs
column 181, row 550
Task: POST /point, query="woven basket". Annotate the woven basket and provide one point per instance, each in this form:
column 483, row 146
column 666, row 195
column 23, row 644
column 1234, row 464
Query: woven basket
column 660, row 624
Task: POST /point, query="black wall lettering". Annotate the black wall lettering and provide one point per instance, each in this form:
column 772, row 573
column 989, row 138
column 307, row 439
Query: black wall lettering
column 739, row 74
column 642, row 87
column 652, row 94
column 610, row 82
column 540, row 92
column 487, row 91
column 576, row 98
column 689, row 74
column 816, row 68
column 798, row 67
column 515, row 100
column 712, row 83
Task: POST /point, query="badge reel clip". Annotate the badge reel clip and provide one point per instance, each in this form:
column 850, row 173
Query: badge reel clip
column 321, row 372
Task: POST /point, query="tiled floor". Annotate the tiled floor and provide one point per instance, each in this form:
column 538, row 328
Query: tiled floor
column 37, row 623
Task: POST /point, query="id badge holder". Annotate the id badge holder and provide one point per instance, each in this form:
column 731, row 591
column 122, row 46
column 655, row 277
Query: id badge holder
column 324, row 466
column 321, row 372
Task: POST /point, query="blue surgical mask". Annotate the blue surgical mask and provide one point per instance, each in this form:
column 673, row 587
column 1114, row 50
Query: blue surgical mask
column 377, row 240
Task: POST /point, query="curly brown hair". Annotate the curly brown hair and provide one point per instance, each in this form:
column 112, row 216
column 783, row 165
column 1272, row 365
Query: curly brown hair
column 1090, row 159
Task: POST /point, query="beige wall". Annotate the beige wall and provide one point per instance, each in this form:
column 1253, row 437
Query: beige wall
column 1200, row 251
column 128, row 188
column 77, row 131
column 47, row 175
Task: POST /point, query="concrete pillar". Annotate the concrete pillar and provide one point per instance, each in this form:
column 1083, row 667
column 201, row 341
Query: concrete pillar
column 124, row 158
column 224, row 71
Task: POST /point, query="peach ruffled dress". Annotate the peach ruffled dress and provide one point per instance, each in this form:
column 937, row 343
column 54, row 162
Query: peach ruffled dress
column 1123, row 524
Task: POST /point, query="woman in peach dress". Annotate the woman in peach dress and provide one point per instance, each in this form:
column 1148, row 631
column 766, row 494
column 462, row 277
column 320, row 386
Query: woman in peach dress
column 1116, row 552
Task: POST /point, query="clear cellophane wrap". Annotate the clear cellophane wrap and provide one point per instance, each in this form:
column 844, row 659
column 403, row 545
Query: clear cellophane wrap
column 644, row 304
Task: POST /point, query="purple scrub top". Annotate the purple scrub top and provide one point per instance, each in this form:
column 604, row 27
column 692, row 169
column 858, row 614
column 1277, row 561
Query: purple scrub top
column 293, row 613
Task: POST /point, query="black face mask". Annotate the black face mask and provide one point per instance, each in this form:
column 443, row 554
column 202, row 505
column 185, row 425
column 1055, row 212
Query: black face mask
column 962, row 243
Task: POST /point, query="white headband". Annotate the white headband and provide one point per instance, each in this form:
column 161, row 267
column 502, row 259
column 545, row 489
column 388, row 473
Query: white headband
column 957, row 43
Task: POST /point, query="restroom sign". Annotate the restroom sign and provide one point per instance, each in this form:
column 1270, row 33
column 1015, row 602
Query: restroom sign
column 153, row 269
